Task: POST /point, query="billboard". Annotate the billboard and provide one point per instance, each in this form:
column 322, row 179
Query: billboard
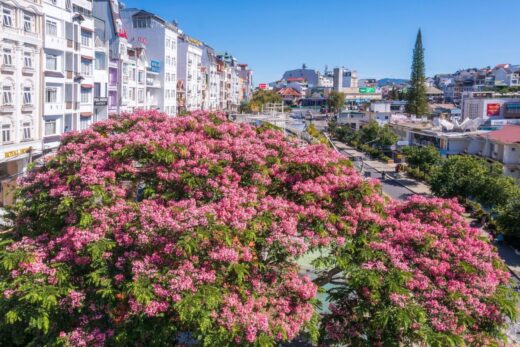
column 262, row 86
column 367, row 90
column 493, row 110
column 155, row 66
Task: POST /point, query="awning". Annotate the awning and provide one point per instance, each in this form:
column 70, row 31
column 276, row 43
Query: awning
column 87, row 86
column 87, row 30
column 86, row 57
column 86, row 114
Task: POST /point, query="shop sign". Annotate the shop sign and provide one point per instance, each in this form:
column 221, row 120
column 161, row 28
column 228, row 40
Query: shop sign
column 493, row 110
column 17, row 152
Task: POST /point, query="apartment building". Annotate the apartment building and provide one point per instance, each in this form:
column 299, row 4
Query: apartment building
column 101, row 56
column 21, row 41
column 246, row 76
column 134, row 80
column 159, row 38
column 211, row 79
column 189, row 70
column 68, row 68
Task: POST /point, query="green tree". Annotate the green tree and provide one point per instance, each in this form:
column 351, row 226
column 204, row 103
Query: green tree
column 508, row 219
column 336, row 101
column 422, row 158
column 378, row 136
column 416, row 97
column 474, row 178
column 261, row 98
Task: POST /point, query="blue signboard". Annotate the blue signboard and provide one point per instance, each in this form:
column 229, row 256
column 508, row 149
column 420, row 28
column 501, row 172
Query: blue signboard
column 155, row 66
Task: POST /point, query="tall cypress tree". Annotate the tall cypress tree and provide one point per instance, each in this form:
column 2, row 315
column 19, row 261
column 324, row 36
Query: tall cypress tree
column 417, row 99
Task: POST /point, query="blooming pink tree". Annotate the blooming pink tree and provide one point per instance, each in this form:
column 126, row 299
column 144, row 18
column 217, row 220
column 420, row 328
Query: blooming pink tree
column 151, row 230
column 424, row 276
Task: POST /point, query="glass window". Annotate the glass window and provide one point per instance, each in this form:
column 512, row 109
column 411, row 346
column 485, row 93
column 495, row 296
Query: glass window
column 86, row 37
column 27, row 60
column 6, row 133
column 8, row 17
column 140, row 95
column 7, row 98
column 85, row 95
column 51, row 127
column 27, row 96
column 51, row 28
column 84, row 122
column 86, row 68
column 100, row 61
column 51, row 62
column 26, row 131
column 51, row 95
column 142, row 22
column 28, row 20
column 8, row 56
column 140, row 77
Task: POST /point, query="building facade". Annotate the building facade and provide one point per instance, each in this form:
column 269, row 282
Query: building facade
column 189, row 70
column 21, row 40
column 159, row 39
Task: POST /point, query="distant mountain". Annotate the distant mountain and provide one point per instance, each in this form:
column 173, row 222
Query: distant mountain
column 391, row 81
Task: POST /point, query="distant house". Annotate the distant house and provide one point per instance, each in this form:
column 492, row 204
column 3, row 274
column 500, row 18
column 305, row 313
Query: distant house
column 507, row 75
column 290, row 96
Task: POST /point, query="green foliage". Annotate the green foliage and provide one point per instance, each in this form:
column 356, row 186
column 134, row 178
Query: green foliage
column 311, row 130
column 424, row 159
column 474, row 178
column 261, row 98
column 336, row 101
column 416, row 96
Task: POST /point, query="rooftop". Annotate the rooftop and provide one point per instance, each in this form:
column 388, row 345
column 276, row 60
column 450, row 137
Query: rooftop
column 509, row 134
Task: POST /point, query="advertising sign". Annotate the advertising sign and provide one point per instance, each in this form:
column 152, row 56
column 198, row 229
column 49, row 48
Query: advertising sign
column 155, row 66
column 493, row 110
column 367, row 90
column 262, row 86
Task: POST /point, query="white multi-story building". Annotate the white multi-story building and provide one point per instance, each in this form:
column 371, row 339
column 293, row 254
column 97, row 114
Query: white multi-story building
column 20, row 86
column 69, row 76
column 189, row 70
column 100, row 70
column 134, row 80
column 211, row 80
column 159, row 37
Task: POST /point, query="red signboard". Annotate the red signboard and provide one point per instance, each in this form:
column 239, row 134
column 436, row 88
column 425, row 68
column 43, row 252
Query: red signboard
column 493, row 110
column 262, row 86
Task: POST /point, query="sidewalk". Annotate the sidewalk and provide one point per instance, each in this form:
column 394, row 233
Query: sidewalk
column 412, row 185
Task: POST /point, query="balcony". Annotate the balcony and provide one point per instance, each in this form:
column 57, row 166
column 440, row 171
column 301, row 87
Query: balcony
column 8, row 68
column 150, row 83
column 7, row 108
column 27, row 108
column 28, row 70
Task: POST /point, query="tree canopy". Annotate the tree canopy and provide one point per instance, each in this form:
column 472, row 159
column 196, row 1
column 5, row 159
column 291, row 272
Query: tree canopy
column 152, row 230
column 336, row 101
column 261, row 98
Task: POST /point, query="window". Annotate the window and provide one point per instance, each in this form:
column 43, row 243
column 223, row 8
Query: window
column 140, row 95
column 8, row 56
column 86, row 68
column 7, row 95
column 27, row 96
column 86, row 37
column 8, row 17
column 85, row 95
column 6, row 133
column 140, row 77
column 97, row 89
column 27, row 60
column 100, row 61
column 26, row 131
column 28, row 21
column 142, row 22
column 132, row 74
column 51, row 95
column 132, row 93
column 51, row 127
column 84, row 122
column 51, row 62
column 51, row 28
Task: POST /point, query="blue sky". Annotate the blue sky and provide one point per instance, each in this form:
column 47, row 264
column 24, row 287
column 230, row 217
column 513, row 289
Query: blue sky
column 374, row 37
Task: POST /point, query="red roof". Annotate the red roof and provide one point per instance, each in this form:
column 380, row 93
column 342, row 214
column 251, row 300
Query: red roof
column 288, row 92
column 296, row 79
column 508, row 134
